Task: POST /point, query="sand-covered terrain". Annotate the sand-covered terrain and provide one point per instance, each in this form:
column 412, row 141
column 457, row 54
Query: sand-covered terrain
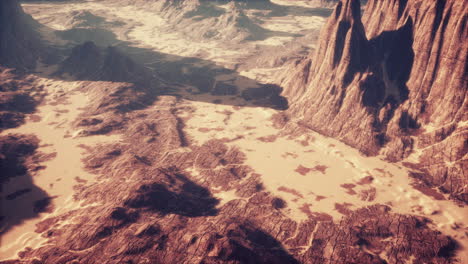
column 62, row 170
column 221, row 90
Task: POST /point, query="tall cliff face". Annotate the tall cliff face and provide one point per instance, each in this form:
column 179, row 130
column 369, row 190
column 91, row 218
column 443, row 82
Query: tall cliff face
column 394, row 83
column 19, row 41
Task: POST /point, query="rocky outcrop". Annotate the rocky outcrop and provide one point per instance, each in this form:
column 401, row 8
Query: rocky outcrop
column 89, row 62
column 83, row 18
column 163, row 207
column 15, row 150
column 83, row 62
column 207, row 20
column 19, row 96
column 20, row 45
column 392, row 83
column 20, row 160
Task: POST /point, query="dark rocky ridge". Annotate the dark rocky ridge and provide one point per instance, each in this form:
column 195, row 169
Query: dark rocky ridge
column 14, row 152
column 378, row 82
column 20, row 44
column 89, row 62
column 20, row 160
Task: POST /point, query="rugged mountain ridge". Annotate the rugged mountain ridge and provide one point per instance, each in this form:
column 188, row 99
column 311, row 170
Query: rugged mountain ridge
column 392, row 83
column 20, row 45
column 90, row 62
column 157, row 194
column 208, row 20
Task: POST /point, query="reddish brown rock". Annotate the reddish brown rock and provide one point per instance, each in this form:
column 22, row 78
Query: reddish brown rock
column 163, row 207
column 19, row 96
column 392, row 83
column 158, row 196
column 15, row 152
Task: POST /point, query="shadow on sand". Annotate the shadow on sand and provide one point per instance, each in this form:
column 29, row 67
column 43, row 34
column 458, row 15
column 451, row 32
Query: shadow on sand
column 190, row 78
column 179, row 196
column 21, row 199
column 193, row 78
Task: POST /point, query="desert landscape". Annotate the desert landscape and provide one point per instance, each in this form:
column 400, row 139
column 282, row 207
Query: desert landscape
column 263, row 131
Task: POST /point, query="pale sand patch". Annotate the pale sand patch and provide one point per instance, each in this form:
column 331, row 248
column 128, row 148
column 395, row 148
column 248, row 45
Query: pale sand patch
column 293, row 24
column 226, row 196
column 58, row 177
column 431, row 128
column 264, row 75
column 303, row 3
column 345, row 167
column 223, row 196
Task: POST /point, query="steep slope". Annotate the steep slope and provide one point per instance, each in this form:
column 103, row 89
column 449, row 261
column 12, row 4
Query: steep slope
column 89, row 62
column 19, row 42
column 318, row 90
column 393, row 83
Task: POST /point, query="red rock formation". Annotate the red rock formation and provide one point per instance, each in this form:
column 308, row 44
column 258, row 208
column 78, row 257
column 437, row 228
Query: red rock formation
column 149, row 207
column 392, row 83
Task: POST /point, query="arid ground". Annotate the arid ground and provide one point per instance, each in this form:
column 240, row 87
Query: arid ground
column 212, row 92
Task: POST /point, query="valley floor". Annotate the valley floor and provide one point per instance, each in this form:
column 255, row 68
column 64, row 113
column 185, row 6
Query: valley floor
column 313, row 174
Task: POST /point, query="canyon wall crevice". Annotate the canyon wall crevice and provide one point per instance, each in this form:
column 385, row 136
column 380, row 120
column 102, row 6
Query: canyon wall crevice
column 388, row 81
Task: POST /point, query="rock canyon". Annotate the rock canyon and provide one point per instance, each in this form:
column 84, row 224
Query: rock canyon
column 243, row 131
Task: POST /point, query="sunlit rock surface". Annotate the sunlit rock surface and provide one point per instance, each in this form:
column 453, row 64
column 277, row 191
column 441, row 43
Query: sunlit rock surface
column 392, row 83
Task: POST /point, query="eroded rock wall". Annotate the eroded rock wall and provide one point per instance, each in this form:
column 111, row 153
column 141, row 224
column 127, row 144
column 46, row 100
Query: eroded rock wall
column 394, row 83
